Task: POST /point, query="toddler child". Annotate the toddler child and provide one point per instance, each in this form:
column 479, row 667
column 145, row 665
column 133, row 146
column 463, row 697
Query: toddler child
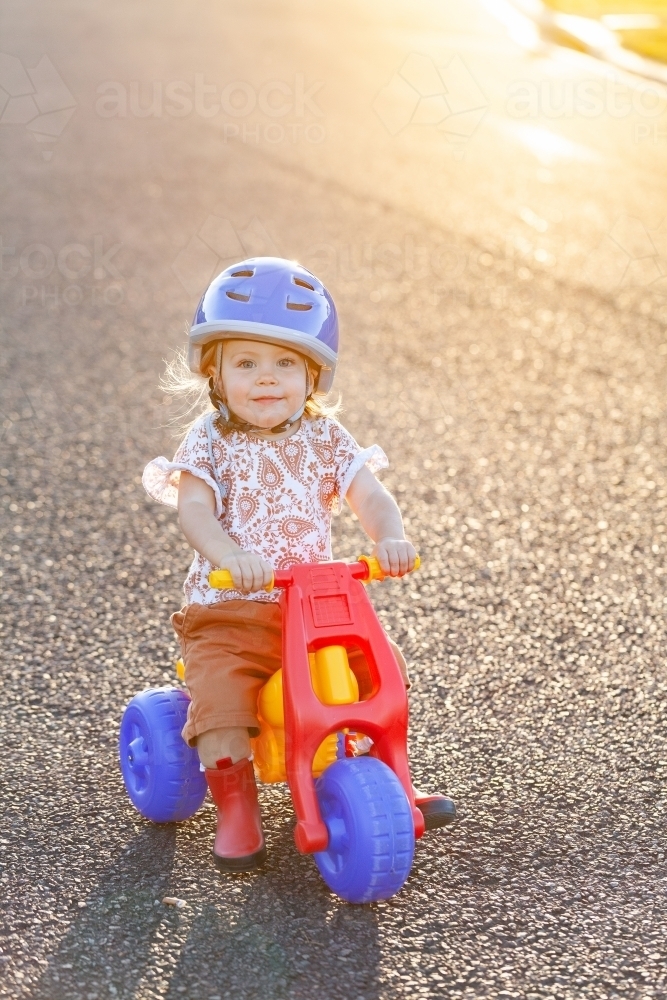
column 256, row 481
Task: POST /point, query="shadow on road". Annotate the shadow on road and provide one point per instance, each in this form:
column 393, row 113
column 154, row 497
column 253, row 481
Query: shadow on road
column 110, row 940
column 278, row 933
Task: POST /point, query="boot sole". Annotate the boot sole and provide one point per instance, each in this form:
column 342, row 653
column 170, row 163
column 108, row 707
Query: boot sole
column 243, row 864
column 437, row 814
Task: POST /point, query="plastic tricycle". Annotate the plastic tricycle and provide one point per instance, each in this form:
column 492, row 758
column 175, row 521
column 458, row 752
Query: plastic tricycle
column 343, row 754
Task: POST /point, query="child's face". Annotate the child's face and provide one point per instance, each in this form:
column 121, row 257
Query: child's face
column 264, row 383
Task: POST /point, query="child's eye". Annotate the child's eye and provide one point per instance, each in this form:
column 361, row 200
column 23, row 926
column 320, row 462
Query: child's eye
column 246, row 363
column 286, row 362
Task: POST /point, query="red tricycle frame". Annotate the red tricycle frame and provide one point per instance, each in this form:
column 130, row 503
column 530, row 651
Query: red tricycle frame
column 323, row 605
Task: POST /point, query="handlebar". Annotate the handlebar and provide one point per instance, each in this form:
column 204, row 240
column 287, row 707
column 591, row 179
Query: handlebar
column 366, row 569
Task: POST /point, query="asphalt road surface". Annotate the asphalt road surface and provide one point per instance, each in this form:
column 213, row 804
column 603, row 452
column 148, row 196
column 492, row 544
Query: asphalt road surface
column 490, row 220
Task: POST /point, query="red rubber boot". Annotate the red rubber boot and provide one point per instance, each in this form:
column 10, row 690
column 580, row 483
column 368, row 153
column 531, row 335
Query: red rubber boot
column 239, row 840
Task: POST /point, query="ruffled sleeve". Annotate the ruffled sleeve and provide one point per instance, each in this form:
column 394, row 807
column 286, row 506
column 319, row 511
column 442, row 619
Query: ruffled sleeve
column 349, row 458
column 196, row 454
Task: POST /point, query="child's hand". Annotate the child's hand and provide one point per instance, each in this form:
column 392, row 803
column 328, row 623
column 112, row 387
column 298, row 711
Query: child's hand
column 395, row 555
column 249, row 571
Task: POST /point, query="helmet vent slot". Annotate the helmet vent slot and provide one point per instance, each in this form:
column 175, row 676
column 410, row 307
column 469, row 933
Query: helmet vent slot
column 300, row 306
column 303, row 284
column 242, row 274
column 238, row 297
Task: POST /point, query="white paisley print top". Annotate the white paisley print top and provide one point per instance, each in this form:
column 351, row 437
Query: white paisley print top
column 275, row 498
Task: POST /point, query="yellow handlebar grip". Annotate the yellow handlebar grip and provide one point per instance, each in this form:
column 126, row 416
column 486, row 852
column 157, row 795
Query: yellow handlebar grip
column 221, row 579
column 374, row 570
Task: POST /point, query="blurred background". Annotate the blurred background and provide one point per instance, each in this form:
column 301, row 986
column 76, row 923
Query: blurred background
column 481, row 184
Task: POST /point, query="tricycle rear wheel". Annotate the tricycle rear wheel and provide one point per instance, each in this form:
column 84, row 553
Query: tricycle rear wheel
column 161, row 772
column 371, row 830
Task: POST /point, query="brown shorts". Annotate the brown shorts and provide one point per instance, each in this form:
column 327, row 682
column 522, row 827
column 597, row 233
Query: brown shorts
column 230, row 650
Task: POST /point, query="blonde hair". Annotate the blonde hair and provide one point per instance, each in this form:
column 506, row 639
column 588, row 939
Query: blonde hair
column 192, row 391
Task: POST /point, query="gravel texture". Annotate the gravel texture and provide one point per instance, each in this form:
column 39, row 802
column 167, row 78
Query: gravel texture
column 523, row 411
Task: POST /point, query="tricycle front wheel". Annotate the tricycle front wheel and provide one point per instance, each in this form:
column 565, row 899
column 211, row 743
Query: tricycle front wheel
column 371, row 830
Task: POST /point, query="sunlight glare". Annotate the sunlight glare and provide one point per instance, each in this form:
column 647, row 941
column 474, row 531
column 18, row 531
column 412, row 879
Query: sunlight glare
column 549, row 147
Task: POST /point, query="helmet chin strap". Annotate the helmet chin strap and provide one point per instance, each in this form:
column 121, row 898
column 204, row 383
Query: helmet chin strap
column 232, row 421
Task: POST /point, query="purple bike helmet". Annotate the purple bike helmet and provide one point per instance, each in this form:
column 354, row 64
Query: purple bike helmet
column 270, row 299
